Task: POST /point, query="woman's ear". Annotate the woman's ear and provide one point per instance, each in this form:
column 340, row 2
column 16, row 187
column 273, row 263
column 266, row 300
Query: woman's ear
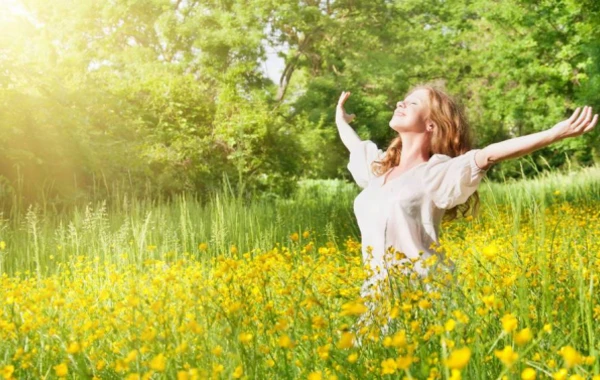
column 430, row 126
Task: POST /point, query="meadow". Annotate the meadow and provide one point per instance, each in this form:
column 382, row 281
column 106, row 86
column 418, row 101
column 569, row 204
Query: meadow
column 269, row 289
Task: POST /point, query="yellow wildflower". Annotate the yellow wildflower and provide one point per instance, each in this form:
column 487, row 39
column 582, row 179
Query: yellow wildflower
column 507, row 355
column 455, row 375
column 404, row 362
column 353, row 308
column 131, row 356
column 346, row 341
column 490, row 251
column 528, row 374
column 459, row 358
column 323, row 351
column 73, row 348
column 571, row 356
column 489, row 300
column 121, row 366
column 318, row 322
column 217, row 368
column 387, row 341
column 61, row 370
column 450, row 324
column 245, row 337
column 158, row 363
column 239, row 371
column 509, row 323
column 285, row 341
column 399, row 339
column 148, row 334
column 8, row 370
column 352, row 358
column 523, row 337
column 589, row 360
column 561, row 374
column 462, row 317
column 388, row 367
column 425, row 304
column 394, row 312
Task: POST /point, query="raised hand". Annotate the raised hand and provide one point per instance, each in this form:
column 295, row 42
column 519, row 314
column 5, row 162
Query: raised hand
column 340, row 113
column 579, row 123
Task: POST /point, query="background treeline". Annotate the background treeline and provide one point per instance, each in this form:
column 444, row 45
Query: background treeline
column 164, row 96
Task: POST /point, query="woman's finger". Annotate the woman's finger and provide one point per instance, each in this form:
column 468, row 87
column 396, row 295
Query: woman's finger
column 588, row 118
column 581, row 117
column 592, row 124
column 574, row 115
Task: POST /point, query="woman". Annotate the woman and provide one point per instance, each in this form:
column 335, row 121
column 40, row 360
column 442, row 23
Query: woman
column 427, row 171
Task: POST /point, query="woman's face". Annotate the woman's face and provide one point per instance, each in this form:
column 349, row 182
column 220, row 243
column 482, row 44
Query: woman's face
column 411, row 113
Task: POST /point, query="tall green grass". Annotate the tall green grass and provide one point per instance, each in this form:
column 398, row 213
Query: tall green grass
column 130, row 230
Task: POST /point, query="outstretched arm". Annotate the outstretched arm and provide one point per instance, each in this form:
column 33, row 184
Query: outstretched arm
column 578, row 124
column 349, row 137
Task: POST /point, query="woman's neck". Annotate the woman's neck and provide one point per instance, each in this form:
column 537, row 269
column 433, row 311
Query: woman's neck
column 415, row 149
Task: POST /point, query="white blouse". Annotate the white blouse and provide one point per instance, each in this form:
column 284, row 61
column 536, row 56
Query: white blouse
column 406, row 212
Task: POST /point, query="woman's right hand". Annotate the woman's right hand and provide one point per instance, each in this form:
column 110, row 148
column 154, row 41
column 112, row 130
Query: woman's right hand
column 340, row 113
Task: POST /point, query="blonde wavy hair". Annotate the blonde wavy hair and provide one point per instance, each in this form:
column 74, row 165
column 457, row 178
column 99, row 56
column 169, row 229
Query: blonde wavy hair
column 452, row 137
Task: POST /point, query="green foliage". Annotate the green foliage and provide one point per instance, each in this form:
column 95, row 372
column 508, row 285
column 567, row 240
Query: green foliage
column 168, row 96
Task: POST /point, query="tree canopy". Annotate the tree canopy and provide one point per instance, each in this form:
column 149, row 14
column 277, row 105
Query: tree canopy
column 164, row 96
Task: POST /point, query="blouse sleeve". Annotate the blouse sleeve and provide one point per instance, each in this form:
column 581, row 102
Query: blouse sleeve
column 450, row 181
column 361, row 157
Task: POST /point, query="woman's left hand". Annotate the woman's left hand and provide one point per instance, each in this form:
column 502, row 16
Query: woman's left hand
column 579, row 123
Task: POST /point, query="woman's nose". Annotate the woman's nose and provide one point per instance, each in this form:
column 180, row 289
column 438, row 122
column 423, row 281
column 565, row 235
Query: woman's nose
column 400, row 103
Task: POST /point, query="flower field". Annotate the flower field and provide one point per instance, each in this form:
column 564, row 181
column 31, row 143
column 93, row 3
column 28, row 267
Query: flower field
column 522, row 302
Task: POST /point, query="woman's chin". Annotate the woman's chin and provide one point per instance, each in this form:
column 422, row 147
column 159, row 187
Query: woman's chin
column 395, row 126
